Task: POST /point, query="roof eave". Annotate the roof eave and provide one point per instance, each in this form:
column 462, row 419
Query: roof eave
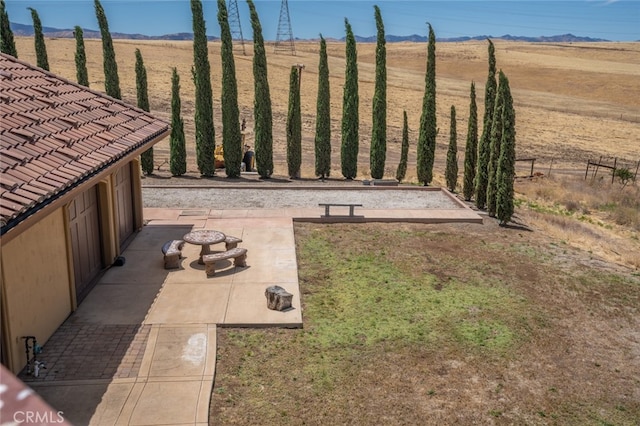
column 12, row 227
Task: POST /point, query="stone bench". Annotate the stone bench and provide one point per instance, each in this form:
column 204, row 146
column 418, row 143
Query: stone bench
column 238, row 254
column 327, row 206
column 231, row 242
column 172, row 251
column 384, row 182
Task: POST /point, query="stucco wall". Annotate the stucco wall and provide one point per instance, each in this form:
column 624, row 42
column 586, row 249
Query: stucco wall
column 37, row 285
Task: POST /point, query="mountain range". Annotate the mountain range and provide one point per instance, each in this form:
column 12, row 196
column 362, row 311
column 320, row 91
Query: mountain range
column 27, row 30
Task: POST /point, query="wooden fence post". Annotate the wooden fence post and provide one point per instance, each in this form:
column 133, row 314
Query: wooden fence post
column 585, row 173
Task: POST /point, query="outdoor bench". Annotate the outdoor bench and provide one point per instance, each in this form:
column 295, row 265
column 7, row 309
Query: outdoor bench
column 238, row 254
column 172, row 251
column 231, row 242
column 328, row 205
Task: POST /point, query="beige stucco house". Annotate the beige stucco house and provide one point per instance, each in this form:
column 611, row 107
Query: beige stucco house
column 70, row 196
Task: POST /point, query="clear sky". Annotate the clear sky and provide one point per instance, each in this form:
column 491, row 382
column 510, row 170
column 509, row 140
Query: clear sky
column 616, row 20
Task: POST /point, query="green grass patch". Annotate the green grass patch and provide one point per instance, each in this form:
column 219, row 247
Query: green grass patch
column 367, row 300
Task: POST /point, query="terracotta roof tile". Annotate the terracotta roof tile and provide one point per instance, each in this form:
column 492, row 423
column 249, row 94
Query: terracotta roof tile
column 54, row 133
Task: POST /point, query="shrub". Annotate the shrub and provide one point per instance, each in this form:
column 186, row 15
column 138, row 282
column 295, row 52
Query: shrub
column 624, row 176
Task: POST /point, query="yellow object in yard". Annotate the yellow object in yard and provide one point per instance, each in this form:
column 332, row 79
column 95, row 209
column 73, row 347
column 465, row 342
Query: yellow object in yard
column 219, row 157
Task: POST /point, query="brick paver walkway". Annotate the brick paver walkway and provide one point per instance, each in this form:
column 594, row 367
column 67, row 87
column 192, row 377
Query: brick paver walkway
column 90, row 351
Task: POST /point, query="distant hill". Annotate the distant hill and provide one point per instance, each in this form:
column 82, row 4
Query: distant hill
column 564, row 38
column 27, row 30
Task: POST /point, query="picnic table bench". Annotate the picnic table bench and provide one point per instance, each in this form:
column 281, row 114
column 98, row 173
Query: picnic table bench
column 238, row 254
column 172, row 251
column 231, row 242
column 327, row 207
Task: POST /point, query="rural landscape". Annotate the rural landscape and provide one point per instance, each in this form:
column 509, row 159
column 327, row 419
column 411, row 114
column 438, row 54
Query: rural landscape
column 532, row 323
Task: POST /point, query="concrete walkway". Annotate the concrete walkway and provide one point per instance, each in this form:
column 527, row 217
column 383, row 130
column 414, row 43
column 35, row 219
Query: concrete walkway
column 141, row 348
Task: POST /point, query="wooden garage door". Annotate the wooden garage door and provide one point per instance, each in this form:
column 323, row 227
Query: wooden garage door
column 84, row 223
column 124, row 204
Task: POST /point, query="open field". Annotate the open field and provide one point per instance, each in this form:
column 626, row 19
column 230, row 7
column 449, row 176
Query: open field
column 573, row 101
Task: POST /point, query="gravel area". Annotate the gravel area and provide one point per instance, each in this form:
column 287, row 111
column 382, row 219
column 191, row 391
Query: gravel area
column 252, row 198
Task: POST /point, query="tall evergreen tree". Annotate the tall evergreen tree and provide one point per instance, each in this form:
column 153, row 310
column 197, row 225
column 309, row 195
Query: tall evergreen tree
column 143, row 103
column 41, row 48
column 201, row 72
column 379, row 107
column 142, row 91
column 231, row 135
column 82, row 75
column 495, row 139
column 7, row 43
column 323, row 115
column 428, row 126
column 451, row 169
column 177, row 145
column 507, row 160
column 111, row 79
column 482, row 172
column 401, row 172
column 350, row 103
column 263, row 115
column 294, row 125
column 471, row 148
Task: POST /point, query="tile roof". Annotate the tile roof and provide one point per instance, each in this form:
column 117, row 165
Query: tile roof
column 54, row 134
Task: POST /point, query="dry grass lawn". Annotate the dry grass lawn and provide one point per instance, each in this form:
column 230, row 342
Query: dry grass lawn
column 409, row 324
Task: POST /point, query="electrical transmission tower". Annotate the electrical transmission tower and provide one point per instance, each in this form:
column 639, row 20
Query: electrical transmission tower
column 234, row 24
column 284, row 38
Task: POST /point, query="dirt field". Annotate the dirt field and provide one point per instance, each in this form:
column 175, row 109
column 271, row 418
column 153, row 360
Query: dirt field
column 573, row 101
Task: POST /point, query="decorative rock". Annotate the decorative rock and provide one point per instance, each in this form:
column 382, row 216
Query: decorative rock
column 278, row 299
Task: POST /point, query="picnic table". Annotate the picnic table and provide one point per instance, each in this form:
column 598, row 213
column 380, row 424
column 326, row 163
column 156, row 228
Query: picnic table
column 204, row 238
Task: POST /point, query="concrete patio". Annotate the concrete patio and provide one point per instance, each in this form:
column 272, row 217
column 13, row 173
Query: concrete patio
column 141, row 348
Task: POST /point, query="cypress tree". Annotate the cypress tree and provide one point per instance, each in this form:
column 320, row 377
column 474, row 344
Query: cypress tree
column 82, row 75
column 263, row 115
column 482, row 172
column 404, row 150
column 495, row 139
column 379, row 107
column 294, row 125
column 111, row 79
column 7, row 43
column 177, row 148
column 471, row 148
column 428, row 126
column 451, row 169
column 141, row 83
column 201, row 72
column 350, row 102
column 41, row 48
column 143, row 103
column 231, row 136
column 507, row 160
column 323, row 115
